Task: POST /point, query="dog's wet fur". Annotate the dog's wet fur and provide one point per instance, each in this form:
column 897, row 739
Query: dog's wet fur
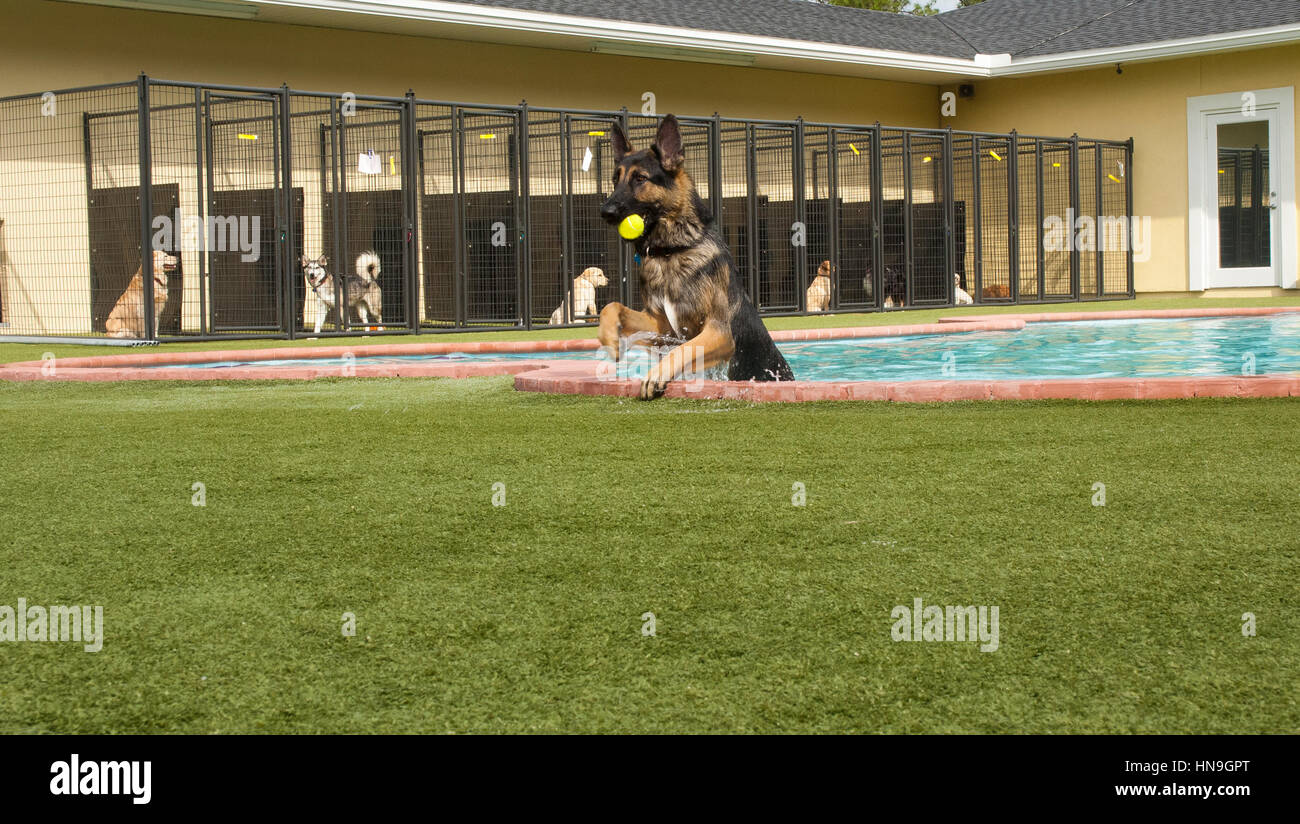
column 689, row 281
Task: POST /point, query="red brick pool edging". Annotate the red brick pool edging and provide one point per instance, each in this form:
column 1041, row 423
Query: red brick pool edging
column 580, row 377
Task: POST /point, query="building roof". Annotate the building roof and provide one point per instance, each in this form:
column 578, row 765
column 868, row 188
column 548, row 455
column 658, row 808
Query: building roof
column 1021, row 28
column 1024, row 28
column 995, row 38
column 789, row 19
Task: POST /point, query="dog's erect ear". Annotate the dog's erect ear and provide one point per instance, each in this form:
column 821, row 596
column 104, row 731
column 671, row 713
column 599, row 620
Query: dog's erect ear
column 621, row 147
column 323, row 262
column 668, row 145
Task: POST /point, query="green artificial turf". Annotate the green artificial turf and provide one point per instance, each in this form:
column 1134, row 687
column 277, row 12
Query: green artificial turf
column 374, row 496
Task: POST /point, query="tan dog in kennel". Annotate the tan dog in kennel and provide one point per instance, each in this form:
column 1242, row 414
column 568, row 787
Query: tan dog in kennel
column 582, row 299
column 818, row 296
column 127, row 318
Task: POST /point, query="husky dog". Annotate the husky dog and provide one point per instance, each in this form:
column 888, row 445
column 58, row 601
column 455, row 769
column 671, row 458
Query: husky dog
column 127, row 318
column 361, row 290
column 583, row 296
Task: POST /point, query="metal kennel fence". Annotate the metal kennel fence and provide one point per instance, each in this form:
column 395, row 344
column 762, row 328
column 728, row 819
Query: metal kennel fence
column 157, row 209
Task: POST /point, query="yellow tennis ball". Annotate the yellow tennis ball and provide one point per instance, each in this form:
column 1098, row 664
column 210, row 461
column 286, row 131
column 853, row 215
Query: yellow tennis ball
column 632, row 227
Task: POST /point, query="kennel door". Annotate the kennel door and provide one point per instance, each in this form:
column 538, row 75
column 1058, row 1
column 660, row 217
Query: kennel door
column 113, row 215
column 439, row 236
column 852, row 230
column 369, row 208
column 734, row 216
column 1056, row 217
column 588, row 239
column 772, row 189
column 244, row 179
column 926, row 195
column 992, row 221
column 490, row 216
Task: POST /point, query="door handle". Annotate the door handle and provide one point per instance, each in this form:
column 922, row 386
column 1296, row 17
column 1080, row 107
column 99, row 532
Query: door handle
column 1272, row 200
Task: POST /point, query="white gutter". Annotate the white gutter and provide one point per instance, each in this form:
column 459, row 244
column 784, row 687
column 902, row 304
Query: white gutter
column 670, row 37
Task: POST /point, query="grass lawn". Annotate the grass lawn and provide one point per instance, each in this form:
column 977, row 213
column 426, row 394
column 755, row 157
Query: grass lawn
column 375, row 497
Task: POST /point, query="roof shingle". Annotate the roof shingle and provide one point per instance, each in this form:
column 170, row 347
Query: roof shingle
column 1022, row 28
column 1025, row 28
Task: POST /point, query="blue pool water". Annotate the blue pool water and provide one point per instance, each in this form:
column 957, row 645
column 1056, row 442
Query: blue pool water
column 1084, row 349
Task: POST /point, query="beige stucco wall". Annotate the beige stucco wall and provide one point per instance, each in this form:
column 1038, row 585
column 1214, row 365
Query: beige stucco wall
column 1148, row 102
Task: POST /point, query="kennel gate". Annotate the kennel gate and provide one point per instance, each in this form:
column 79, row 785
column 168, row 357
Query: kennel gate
column 245, row 177
column 351, row 156
column 482, row 215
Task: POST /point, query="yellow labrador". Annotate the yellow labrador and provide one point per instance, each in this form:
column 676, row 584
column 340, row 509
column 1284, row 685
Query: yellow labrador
column 583, row 295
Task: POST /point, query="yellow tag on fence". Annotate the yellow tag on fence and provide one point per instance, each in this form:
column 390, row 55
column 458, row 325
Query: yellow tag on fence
column 248, row 137
column 854, row 148
column 994, row 155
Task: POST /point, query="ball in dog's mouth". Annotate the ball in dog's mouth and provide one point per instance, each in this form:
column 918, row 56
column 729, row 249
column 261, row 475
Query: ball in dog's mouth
column 632, row 227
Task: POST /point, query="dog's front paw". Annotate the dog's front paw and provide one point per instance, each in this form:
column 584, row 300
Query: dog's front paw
column 651, row 389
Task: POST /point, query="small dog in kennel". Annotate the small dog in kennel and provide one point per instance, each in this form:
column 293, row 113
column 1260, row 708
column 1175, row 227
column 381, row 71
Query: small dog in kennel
column 361, row 289
column 127, row 318
column 582, row 299
column 818, row 296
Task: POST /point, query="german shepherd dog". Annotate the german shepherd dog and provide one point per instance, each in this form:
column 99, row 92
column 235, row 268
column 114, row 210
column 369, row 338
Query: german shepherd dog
column 689, row 283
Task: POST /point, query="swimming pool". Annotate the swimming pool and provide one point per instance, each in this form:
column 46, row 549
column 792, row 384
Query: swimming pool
column 1127, row 348
column 1064, row 353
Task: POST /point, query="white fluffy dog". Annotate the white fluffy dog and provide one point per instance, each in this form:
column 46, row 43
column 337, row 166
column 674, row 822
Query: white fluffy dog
column 963, row 297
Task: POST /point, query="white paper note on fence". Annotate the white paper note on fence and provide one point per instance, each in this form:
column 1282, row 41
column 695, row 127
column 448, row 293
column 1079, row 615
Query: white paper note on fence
column 369, row 164
column 586, row 159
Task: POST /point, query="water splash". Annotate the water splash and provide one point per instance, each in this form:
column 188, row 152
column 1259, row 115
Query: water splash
column 640, row 351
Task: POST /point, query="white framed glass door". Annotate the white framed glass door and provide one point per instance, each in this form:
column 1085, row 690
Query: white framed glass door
column 1241, row 190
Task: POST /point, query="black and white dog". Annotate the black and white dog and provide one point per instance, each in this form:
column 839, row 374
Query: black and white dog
column 893, row 285
column 360, row 290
